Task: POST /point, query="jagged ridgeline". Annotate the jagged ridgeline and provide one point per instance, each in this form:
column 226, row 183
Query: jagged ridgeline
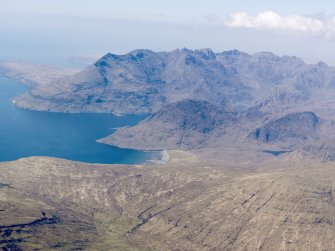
column 199, row 98
column 143, row 81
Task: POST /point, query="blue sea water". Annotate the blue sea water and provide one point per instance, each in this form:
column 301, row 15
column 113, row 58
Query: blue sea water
column 25, row 133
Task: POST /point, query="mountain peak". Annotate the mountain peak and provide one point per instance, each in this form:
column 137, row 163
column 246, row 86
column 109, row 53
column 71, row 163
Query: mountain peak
column 205, row 53
column 232, row 53
column 140, row 53
column 102, row 62
column 265, row 56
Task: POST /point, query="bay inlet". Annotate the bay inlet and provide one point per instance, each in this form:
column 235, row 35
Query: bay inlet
column 25, row 133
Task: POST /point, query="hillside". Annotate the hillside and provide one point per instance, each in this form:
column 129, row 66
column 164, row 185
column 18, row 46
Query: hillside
column 187, row 124
column 193, row 124
column 56, row 204
column 293, row 129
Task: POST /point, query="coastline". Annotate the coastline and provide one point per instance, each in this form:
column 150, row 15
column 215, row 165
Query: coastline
column 158, row 158
column 171, row 156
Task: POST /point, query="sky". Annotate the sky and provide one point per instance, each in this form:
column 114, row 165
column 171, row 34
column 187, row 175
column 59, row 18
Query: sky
column 73, row 32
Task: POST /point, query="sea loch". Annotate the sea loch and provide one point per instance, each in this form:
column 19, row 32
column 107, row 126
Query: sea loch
column 25, row 133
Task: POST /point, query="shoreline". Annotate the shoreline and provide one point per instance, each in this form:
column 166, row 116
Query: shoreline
column 172, row 156
column 158, row 157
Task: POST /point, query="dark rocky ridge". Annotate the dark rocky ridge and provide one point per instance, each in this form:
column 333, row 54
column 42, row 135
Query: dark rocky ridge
column 293, row 128
column 187, row 124
column 191, row 124
column 195, row 115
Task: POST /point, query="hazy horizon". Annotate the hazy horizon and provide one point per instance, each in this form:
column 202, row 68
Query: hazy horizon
column 61, row 32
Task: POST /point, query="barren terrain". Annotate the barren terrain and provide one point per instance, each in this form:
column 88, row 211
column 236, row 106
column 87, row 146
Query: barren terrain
column 196, row 201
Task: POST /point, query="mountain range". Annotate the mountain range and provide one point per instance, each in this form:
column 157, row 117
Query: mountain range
column 143, row 81
column 199, row 98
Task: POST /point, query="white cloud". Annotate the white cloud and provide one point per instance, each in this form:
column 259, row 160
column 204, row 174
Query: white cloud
column 274, row 21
